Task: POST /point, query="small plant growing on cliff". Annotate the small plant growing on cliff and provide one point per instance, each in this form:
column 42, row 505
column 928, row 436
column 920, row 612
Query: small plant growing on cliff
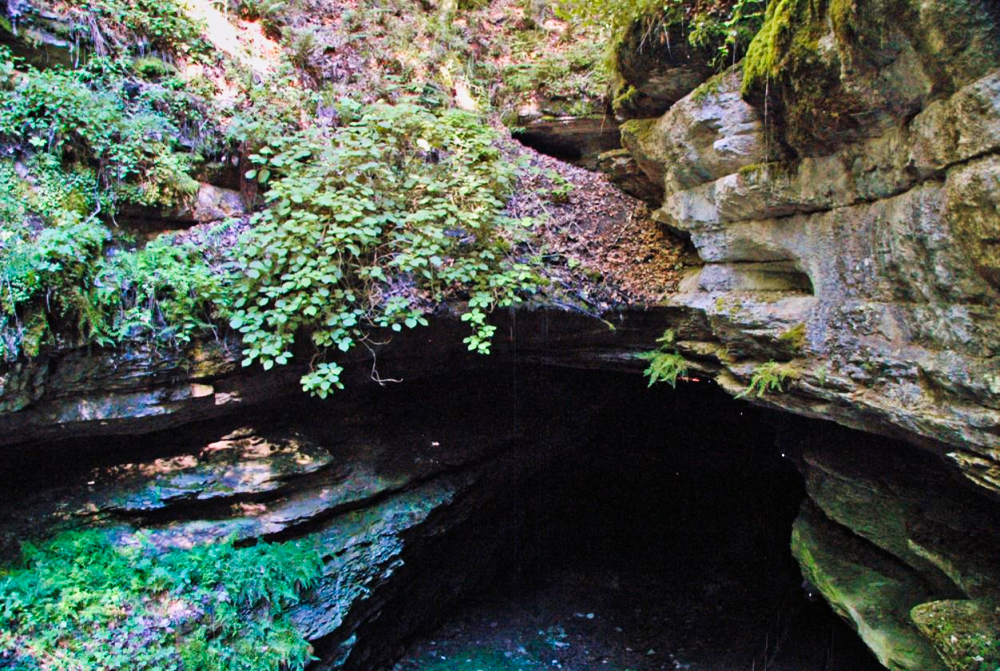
column 794, row 338
column 769, row 377
column 665, row 364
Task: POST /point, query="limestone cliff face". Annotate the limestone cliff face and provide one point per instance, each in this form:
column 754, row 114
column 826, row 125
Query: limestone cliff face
column 873, row 269
column 880, row 256
column 845, row 200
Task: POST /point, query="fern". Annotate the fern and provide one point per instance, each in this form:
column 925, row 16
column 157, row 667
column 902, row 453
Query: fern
column 769, row 377
column 94, row 604
column 665, row 364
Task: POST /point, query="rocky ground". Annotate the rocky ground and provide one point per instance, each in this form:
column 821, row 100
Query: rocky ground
column 579, row 622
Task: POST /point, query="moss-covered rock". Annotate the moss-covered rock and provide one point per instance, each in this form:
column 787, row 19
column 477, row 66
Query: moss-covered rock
column 869, row 589
column 829, row 72
column 965, row 633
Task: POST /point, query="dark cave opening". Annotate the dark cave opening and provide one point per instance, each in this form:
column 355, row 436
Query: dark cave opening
column 561, row 148
column 617, row 527
column 578, row 141
column 658, row 541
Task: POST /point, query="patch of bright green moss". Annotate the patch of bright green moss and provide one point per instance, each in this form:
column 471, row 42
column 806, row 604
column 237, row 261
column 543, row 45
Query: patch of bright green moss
column 708, row 88
column 794, row 337
column 637, row 131
column 791, row 27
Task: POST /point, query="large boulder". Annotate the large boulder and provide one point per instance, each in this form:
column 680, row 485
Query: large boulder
column 709, row 134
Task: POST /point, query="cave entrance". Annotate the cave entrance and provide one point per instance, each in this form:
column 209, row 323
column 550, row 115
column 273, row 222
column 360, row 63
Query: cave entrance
column 575, row 140
column 659, row 541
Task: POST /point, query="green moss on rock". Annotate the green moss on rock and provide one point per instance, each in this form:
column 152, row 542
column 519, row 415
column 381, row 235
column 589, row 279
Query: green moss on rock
column 791, row 29
column 870, row 589
column 965, row 633
column 638, row 131
column 829, row 72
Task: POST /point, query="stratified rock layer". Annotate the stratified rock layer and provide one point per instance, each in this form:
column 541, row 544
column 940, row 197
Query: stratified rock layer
column 842, row 187
column 872, row 270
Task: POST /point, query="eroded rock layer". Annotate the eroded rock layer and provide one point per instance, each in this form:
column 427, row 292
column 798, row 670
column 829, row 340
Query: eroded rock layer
column 842, row 186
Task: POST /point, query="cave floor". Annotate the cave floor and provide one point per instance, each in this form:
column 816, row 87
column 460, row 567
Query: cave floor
column 579, row 620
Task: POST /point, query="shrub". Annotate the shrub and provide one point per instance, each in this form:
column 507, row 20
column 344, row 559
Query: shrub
column 371, row 225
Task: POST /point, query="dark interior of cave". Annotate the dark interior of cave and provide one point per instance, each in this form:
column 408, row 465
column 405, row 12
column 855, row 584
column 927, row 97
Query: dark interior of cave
column 658, row 541
column 649, row 530
column 561, row 148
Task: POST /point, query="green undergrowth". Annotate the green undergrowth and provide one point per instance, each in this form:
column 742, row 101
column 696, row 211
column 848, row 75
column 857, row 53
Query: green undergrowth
column 79, row 146
column 127, row 24
column 61, row 285
column 570, row 75
column 99, row 117
column 373, row 211
column 369, row 226
column 83, row 602
column 665, row 364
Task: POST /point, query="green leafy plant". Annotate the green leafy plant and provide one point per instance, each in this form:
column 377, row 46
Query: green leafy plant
column 80, row 601
column 167, row 291
column 769, row 377
column 665, row 364
column 165, row 23
column 41, row 273
column 60, row 282
column 100, row 117
column 369, row 226
column 561, row 188
column 272, row 110
column 152, row 68
column 84, row 142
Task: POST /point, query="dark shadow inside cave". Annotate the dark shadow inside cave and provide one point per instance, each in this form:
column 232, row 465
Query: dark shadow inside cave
column 561, row 148
column 610, row 526
column 659, row 541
